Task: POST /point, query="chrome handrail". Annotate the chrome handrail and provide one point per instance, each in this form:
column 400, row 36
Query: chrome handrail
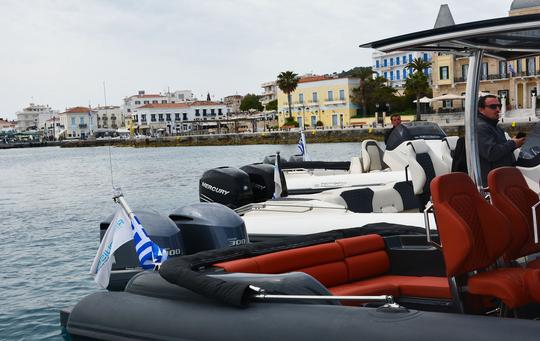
column 535, row 223
column 427, row 210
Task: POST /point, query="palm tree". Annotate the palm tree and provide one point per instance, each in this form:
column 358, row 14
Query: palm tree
column 418, row 65
column 363, row 73
column 287, row 82
column 418, row 80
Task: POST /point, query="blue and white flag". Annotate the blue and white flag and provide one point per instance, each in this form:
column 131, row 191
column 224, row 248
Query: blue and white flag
column 511, row 69
column 302, row 147
column 121, row 230
column 149, row 253
column 118, row 233
column 277, row 180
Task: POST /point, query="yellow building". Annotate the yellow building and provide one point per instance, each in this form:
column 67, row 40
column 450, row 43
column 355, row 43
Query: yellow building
column 516, row 82
column 320, row 99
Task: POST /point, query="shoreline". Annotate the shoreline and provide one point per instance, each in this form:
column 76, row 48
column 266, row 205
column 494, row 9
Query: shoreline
column 274, row 137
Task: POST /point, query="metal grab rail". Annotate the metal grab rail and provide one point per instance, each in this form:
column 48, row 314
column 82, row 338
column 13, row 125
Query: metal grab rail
column 427, row 210
column 262, row 295
column 249, row 207
column 535, row 223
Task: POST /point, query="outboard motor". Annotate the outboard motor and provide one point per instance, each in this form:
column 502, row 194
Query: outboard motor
column 270, row 159
column 261, row 176
column 207, row 226
column 226, row 185
column 160, row 229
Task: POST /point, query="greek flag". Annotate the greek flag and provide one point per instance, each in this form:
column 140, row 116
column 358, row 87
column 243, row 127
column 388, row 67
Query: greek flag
column 149, row 253
column 118, row 233
column 511, row 69
column 121, row 230
column 277, row 180
column 302, row 147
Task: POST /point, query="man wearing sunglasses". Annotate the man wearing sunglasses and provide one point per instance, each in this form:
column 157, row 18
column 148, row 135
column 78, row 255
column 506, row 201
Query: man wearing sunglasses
column 493, row 147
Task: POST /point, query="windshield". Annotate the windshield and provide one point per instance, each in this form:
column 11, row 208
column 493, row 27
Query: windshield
column 414, row 131
column 529, row 155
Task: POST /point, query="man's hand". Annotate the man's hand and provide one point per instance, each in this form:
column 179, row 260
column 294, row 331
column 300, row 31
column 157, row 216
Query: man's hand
column 519, row 142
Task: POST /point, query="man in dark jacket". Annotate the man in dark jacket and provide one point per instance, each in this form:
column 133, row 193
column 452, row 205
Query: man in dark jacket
column 396, row 120
column 493, row 147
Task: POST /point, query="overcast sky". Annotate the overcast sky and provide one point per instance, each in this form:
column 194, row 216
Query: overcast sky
column 59, row 52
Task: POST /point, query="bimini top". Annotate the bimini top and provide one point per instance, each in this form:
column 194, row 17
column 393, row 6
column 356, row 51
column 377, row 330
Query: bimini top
column 507, row 38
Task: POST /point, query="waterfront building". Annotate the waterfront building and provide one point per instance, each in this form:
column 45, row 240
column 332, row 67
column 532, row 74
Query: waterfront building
column 33, row 117
column 320, row 101
column 233, row 103
column 7, row 126
column 78, row 123
column 393, row 66
column 109, row 117
column 270, row 91
column 52, row 128
column 516, row 82
column 173, row 118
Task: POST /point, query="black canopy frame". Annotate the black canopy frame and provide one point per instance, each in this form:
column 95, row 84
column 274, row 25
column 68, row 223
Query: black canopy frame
column 505, row 38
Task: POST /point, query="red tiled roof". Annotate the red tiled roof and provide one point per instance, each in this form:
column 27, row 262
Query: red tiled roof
column 313, row 79
column 146, row 96
column 178, row 105
column 164, row 105
column 77, row 110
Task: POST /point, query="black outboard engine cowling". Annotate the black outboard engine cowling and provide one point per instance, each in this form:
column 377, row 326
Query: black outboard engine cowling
column 160, row 229
column 207, row 226
column 226, row 185
column 261, row 176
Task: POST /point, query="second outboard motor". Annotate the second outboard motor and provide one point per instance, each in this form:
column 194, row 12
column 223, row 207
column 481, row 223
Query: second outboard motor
column 160, row 229
column 208, row 226
column 261, row 176
column 226, row 185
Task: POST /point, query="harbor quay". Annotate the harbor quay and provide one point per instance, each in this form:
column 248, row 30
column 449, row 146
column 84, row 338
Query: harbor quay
column 269, row 137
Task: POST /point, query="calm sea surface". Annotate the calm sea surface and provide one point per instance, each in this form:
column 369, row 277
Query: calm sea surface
column 53, row 199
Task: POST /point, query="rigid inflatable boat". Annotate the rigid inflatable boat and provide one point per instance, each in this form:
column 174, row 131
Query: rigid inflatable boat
column 356, row 283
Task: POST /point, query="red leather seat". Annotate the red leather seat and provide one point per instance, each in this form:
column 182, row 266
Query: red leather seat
column 511, row 195
column 474, row 235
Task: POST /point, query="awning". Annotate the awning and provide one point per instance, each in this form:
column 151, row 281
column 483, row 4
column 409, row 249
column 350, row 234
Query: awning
column 506, row 38
column 447, row 97
column 423, row 100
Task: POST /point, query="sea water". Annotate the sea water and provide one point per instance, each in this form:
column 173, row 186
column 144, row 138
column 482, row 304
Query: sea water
column 53, row 199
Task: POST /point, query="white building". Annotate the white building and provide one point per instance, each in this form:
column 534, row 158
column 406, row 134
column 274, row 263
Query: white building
column 172, row 118
column 33, row 117
column 142, row 98
column 52, row 128
column 393, row 65
column 269, row 92
column 109, row 117
column 78, row 123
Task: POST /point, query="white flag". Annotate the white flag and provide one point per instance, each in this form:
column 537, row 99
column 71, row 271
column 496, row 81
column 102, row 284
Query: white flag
column 277, row 180
column 118, row 233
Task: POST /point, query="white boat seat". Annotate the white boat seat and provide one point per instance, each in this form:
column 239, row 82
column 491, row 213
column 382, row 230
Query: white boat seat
column 393, row 198
column 424, row 165
column 448, row 145
column 372, row 156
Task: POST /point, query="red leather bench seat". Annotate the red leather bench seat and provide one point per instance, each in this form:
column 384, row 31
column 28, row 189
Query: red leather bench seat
column 350, row 266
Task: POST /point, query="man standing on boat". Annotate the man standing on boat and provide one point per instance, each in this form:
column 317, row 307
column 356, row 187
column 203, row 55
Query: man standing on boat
column 493, row 147
column 396, row 120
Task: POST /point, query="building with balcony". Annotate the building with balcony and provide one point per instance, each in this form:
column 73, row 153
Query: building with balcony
column 7, row 126
column 516, row 82
column 320, row 100
column 78, row 123
column 33, row 117
column 173, row 118
column 110, row 117
column 269, row 93
column 393, row 66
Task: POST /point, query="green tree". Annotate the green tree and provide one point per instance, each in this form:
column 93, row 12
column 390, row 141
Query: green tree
column 287, row 82
column 375, row 92
column 417, row 83
column 418, row 65
column 363, row 73
column 272, row 105
column 250, row 101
